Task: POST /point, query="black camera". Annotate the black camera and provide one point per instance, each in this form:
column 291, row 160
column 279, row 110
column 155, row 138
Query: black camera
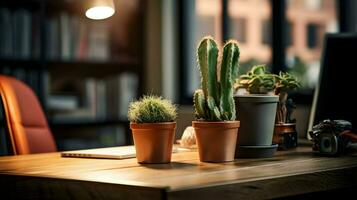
column 332, row 137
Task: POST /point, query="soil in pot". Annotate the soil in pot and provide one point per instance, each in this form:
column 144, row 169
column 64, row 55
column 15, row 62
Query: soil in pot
column 153, row 141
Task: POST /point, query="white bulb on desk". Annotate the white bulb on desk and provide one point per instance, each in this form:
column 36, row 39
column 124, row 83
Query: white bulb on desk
column 188, row 139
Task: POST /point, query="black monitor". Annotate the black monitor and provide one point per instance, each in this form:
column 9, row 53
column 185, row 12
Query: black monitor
column 336, row 93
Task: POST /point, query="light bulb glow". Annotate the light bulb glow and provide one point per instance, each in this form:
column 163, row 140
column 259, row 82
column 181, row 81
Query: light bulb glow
column 100, row 12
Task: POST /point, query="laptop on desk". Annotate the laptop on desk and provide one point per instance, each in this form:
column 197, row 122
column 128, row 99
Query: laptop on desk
column 122, row 152
column 109, row 153
column 335, row 96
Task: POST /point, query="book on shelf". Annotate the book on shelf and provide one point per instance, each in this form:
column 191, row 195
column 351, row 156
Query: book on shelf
column 67, row 36
column 36, row 35
column 70, row 37
column 102, row 99
column 65, row 33
column 20, row 33
column 128, row 92
column 70, row 116
column 106, row 136
column 52, row 38
column 6, row 33
column 31, row 77
column 122, row 89
column 22, row 30
column 63, row 102
column 98, row 41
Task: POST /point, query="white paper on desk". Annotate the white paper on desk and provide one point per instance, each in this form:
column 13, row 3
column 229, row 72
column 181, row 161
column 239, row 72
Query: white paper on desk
column 109, row 153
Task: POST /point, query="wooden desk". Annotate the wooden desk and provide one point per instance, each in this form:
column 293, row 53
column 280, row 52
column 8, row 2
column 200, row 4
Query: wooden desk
column 49, row 176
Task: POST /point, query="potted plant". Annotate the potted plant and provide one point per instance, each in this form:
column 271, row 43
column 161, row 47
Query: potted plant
column 256, row 110
column 215, row 127
column 152, row 121
column 285, row 134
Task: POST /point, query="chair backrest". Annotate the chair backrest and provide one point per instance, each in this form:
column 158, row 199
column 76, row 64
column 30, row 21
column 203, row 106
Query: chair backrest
column 26, row 122
column 5, row 142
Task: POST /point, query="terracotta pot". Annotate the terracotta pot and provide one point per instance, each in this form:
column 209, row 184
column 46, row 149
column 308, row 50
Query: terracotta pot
column 285, row 135
column 153, row 141
column 216, row 141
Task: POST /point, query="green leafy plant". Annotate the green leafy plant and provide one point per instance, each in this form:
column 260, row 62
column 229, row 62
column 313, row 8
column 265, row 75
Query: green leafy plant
column 257, row 80
column 152, row 109
column 285, row 82
column 214, row 101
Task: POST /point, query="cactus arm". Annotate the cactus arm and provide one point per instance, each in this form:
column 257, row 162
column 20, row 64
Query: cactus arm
column 200, row 104
column 228, row 75
column 207, row 62
column 214, row 112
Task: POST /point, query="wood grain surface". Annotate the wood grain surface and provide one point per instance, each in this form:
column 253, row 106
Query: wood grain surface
column 288, row 173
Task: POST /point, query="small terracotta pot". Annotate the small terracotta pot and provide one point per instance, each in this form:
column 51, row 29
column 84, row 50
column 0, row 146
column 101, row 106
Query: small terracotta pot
column 285, row 135
column 216, row 141
column 153, row 141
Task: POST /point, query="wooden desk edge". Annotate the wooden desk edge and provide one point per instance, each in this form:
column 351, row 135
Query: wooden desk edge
column 274, row 187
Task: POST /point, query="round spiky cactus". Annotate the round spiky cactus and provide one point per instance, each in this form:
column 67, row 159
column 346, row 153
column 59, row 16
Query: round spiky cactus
column 152, row 109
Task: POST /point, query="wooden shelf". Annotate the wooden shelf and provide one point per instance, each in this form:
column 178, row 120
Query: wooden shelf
column 87, row 122
column 91, row 68
column 47, row 73
column 32, row 4
column 18, row 62
column 76, row 6
column 123, row 61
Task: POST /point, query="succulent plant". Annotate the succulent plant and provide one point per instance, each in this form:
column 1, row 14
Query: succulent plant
column 152, row 109
column 257, row 80
column 285, row 82
column 214, row 102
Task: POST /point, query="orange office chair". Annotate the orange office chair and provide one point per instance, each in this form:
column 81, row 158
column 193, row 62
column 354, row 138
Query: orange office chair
column 26, row 123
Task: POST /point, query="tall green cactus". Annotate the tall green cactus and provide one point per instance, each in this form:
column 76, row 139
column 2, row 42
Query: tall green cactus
column 207, row 62
column 229, row 72
column 214, row 93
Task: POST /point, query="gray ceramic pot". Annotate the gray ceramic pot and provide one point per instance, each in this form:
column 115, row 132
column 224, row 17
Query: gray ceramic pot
column 256, row 114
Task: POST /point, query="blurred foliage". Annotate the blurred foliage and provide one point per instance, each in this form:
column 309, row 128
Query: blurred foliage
column 299, row 70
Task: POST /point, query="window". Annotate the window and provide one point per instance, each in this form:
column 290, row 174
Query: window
column 266, row 32
column 238, row 28
column 208, row 19
column 312, row 36
column 250, row 24
column 311, row 20
column 199, row 18
column 288, row 32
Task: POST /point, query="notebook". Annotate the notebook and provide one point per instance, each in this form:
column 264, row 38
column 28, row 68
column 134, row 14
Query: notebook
column 109, row 153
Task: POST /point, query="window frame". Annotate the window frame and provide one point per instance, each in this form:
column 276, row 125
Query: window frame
column 278, row 20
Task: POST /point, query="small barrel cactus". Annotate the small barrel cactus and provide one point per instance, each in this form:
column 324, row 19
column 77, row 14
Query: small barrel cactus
column 152, row 109
column 214, row 102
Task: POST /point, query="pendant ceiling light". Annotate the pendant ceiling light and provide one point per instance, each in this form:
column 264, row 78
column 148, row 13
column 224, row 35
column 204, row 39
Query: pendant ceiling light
column 100, row 9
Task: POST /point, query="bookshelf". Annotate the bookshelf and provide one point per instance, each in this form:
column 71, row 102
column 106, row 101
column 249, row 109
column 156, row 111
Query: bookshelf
column 85, row 72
